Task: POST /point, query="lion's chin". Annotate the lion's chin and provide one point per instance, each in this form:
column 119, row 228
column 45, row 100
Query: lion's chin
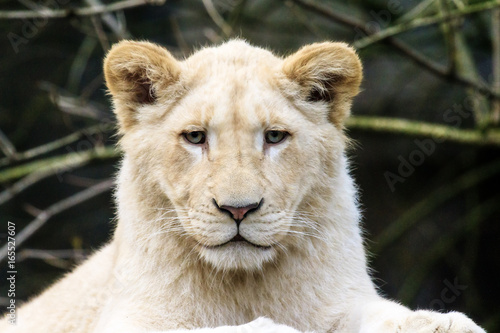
column 239, row 255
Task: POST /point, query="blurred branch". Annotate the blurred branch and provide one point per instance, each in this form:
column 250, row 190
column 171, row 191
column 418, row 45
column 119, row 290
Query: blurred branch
column 449, row 32
column 115, row 25
column 101, row 35
column 6, row 146
column 418, row 10
column 51, row 254
column 55, row 209
column 236, row 12
column 425, row 21
column 460, row 3
column 85, row 11
column 443, row 246
column 179, row 37
column 30, row 180
column 492, row 323
column 51, row 146
column 461, row 62
column 329, row 13
column 306, row 22
column 412, row 128
column 64, row 259
column 91, row 87
column 444, row 72
column 217, row 18
column 30, row 4
column 495, row 31
column 473, row 240
column 408, row 219
column 74, row 104
column 465, row 67
column 58, row 163
column 79, row 64
column 417, row 57
column 37, row 176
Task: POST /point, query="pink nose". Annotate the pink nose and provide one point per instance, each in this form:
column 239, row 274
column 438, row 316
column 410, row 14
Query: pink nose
column 239, row 213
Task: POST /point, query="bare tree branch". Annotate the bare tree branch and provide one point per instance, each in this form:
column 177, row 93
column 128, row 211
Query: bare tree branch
column 55, row 209
column 329, row 13
column 417, row 57
column 51, row 254
column 58, row 163
column 76, row 72
column 51, row 146
column 418, row 10
column 425, row 21
column 85, row 11
column 179, row 37
column 419, row 128
column 28, row 181
column 449, row 34
column 444, row 72
column 110, row 20
column 217, row 18
column 6, row 146
column 30, row 4
column 306, row 22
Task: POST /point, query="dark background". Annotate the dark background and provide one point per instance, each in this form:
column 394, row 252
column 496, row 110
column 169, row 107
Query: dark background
column 438, row 228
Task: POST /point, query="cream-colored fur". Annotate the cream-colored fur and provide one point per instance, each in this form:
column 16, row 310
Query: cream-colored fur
column 171, row 265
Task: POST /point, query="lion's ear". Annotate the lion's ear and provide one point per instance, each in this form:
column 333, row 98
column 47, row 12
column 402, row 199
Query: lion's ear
column 134, row 73
column 326, row 72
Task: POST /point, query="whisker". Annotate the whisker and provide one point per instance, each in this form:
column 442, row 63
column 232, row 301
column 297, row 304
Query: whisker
column 301, row 233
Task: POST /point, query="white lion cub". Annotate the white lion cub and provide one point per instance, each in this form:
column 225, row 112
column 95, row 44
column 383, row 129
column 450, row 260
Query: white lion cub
column 234, row 203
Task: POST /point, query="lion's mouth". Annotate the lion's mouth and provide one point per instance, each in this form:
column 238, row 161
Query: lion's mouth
column 236, row 239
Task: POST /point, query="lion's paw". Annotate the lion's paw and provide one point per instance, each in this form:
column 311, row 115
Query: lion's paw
column 265, row 325
column 435, row 322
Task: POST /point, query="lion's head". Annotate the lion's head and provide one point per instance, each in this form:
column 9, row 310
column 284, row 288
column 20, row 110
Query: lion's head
column 241, row 145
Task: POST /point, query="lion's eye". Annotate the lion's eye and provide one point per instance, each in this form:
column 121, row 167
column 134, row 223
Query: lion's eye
column 274, row 137
column 196, row 137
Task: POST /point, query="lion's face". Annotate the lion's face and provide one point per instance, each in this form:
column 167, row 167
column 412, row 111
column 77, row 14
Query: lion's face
column 236, row 167
column 236, row 140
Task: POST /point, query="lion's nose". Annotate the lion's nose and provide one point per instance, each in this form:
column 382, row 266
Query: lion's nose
column 238, row 213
